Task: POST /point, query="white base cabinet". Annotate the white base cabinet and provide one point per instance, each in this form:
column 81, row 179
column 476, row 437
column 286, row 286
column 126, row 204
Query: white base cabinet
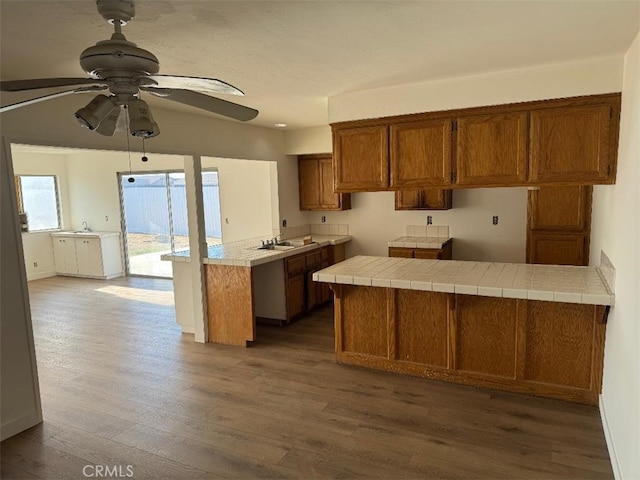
column 92, row 255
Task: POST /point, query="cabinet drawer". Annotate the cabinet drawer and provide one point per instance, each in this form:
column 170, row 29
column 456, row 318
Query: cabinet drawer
column 295, row 265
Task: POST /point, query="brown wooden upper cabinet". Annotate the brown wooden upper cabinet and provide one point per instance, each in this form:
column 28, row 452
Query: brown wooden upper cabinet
column 315, row 178
column 569, row 141
column 421, row 153
column 363, row 154
column 429, row 199
column 571, row 144
column 492, row 149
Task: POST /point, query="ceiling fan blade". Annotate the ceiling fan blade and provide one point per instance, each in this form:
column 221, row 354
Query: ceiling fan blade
column 199, row 84
column 18, row 85
column 205, row 102
column 13, row 106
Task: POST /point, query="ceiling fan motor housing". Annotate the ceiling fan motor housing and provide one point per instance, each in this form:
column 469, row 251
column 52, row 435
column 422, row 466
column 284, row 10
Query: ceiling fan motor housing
column 118, row 58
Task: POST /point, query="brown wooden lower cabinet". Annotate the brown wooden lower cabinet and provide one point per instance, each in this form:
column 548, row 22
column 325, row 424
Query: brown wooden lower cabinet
column 540, row 348
column 444, row 253
column 302, row 293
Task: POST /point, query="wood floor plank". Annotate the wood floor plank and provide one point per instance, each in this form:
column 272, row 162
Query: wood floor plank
column 122, row 385
column 102, row 451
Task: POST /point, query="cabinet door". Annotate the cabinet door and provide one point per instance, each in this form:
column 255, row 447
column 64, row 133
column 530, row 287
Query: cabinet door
column 64, row 254
column 421, row 153
column 309, row 181
column 329, row 199
column 324, row 292
column 89, row 257
column 557, row 249
column 571, row 144
column 429, row 199
column 311, row 292
column 560, row 208
column 409, row 200
column 361, row 159
column 484, row 337
column 492, row 149
column 436, row 199
column 295, row 296
column 401, row 252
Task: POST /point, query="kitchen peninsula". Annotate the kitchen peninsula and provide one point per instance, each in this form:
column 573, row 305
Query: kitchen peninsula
column 536, row 329
column 245, row 282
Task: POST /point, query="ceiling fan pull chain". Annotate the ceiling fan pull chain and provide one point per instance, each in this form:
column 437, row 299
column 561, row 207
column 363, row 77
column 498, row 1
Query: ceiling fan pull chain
column 144, row 151
column 126, row 111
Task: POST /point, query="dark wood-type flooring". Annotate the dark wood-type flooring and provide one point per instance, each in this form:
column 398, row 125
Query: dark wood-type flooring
column 122, row 386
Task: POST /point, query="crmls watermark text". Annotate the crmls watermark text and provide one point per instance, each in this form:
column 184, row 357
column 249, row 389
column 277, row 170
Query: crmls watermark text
column 108, row 471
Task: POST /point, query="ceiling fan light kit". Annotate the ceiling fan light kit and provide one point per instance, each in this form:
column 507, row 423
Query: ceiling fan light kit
column 125, row 69
column 96, row 111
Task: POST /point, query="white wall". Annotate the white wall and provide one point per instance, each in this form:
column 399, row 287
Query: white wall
column 19, row 392
column 38, row 248
column 616, row 230
column 308, row 140
column 245, row 190
column 554, row 81
column 288, row 194
column 373, row 222
column 245, row 197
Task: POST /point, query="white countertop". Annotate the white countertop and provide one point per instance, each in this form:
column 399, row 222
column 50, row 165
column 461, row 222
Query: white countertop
column 245, row 253
column 554, row 283
column 419, row 242
column 83, row 234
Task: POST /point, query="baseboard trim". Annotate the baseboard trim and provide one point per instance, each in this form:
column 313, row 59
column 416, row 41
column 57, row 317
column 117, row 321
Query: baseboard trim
column 609, row 440
column 20, row 424
column 40, row 276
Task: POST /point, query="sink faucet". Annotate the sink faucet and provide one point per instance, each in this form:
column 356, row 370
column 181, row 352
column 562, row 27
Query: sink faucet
column 85, row 227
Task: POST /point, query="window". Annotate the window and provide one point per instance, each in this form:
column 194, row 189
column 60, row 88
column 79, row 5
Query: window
column 38, row 198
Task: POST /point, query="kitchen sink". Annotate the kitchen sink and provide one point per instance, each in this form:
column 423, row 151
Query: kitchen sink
column 277, row 246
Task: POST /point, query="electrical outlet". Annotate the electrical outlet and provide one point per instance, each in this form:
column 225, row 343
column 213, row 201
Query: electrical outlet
column 226, row 220
column 323, row 219
column 106, row 218
column 35, row 264
column 495, row 219
column 429, row 220
column 284, row 223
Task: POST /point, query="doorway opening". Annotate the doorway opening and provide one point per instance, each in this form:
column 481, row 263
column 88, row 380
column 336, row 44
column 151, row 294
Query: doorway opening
column 154, row 218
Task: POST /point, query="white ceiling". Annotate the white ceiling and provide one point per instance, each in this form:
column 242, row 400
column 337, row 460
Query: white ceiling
column 290, row 56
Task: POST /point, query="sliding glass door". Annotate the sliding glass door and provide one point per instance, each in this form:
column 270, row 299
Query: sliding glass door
column 154, row 212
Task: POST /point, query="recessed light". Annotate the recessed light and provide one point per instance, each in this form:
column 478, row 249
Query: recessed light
column 280, row 125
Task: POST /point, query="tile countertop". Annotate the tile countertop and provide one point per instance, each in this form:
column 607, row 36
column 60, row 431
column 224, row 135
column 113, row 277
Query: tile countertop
column 419, row 242
column 554, row 283
column 244, row 253
column 85, row 234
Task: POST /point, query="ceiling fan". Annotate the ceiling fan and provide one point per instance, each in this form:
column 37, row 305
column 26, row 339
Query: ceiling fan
column 125, row 69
